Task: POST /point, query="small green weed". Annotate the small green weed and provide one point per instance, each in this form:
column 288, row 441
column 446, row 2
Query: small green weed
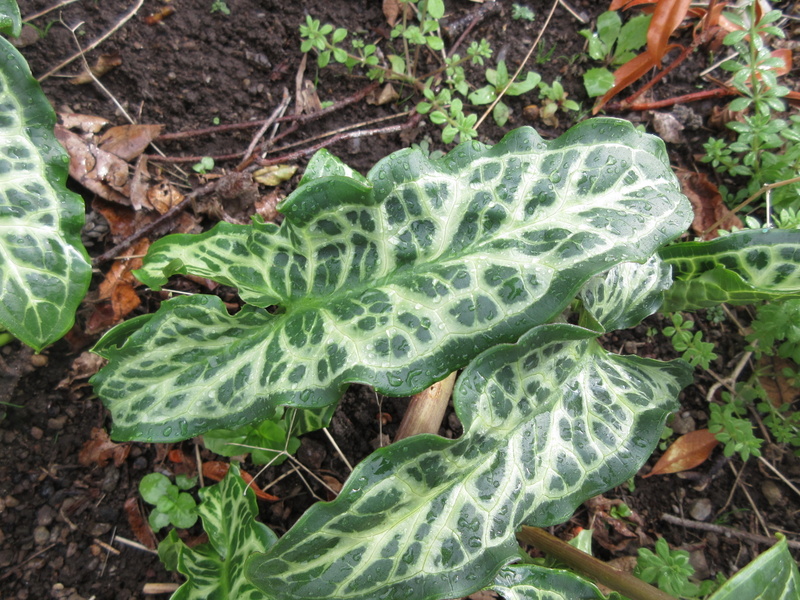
column 670, row 571
column 554, row 98
column 521, row 12
column 694, row 350
column 205, row 165
column 499, row 80
column 614, row 44
column 220, row 6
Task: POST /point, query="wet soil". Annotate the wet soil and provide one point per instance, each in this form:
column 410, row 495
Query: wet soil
column 60, row 520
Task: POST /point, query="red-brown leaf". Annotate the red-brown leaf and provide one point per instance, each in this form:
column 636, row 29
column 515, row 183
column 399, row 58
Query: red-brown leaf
column 709, row 209
column 626, row 75
column 685, row 453
column 100, row 450
column 141, row 529
column 216, row 470
column 666, row 18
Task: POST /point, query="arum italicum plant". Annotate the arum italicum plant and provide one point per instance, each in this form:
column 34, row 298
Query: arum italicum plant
column 396, row 279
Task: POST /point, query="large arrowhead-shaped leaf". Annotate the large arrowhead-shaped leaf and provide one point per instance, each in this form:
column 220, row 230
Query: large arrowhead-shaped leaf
column 549, row 422
column 394, row 281
column 215, row 569
column 740, row 268
column 626, row 294
column 532, row 582
column 773, row 575
column 44, row 269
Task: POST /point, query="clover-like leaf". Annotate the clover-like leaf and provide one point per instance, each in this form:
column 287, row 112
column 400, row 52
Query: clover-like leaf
column 532, row 582
column 740, row 268
column 215, row 569
column 773, row 574
column 627, row 293
column 549, row 422
column 44, row 269
column 395, row 282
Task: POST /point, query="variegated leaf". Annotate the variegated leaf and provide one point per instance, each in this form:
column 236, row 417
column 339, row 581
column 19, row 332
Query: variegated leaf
column 626, row 294
column 740, row 268
column 549, row 422
column 772, row 575
column 532, row 582
column 216, row 569
column 395, row 282
column 10, row 20
column 44, row 269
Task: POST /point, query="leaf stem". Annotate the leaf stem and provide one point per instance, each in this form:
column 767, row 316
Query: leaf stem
column 588, row 565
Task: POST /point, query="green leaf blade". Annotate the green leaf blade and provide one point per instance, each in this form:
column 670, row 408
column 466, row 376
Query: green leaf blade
column 215, row 569
column 740, row 268
column 44, row 269
column 532, row 582
column 395, row 282
column 549, row 422
column 773, row 574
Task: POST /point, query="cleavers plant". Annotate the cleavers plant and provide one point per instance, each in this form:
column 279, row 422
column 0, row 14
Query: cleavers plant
column 395, row 280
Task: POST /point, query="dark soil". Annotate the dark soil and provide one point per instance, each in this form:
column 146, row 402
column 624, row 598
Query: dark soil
column 59, row 520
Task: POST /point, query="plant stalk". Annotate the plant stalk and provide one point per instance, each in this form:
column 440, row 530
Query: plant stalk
column 426, row 410
column 588, row 565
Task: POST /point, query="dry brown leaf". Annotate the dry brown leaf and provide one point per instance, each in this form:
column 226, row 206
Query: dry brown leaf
column 117, row 295
column 386, row 95
column 86, row 123
column 274, row 174
column 128, row 141
column 103, row 64
column 83, row 367
column 163, row 195
column 97, row 170
column 685, row 453
column 100, row 450
column 307, row 98
column 707, row 204
column 393, row 11
column 779, row 388
column 139, row 525
column 139, row 180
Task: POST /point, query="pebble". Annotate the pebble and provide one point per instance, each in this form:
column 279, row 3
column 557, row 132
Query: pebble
column 311, row 453
column 682, row 423
column 772, row 492
column 41, row 535
column 57, row 423
column 11, row 502
column 99, row 529
column 36, row 433
column 45, row 516
column 110, row 479
column 38, row 360
column 701, row 510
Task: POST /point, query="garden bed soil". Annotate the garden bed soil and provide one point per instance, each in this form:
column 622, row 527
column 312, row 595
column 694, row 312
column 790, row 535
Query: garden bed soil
column 61, row 521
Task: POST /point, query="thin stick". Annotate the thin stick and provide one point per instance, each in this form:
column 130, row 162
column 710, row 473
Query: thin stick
column 763, row 190
column 279, row 110
column 199, row 465
column 412, row 122
column 162, row 221
column 43, row 12
column 726, row 531
column 750, row 500
column 358, row 96
column 132, row 544
column 125, row 18
column 779, row 474
column 586, row 564
column 579, row 16
column 159, row 588
column 24, row 562
column 521, row 66
column 106, row 547
column 339, row 450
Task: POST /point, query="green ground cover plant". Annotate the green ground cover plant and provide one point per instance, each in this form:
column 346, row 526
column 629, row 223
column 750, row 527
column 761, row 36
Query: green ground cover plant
column 44, row 268
column 172, row 505
column 397, row 279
